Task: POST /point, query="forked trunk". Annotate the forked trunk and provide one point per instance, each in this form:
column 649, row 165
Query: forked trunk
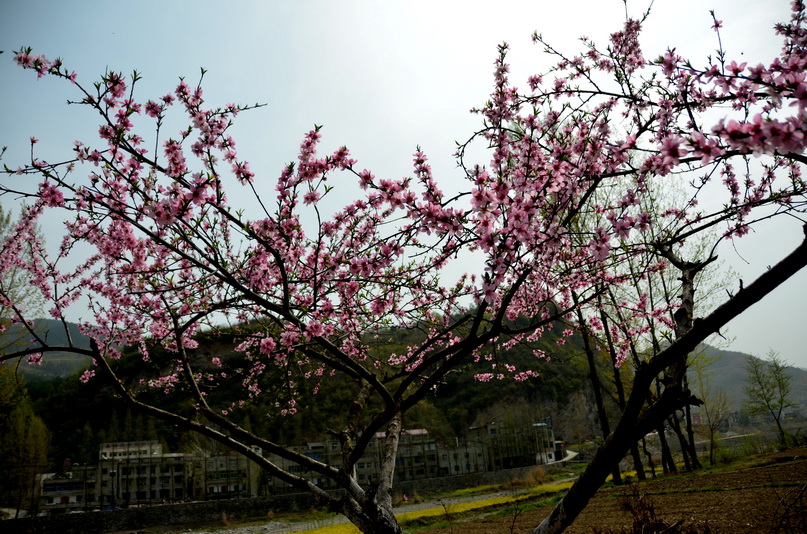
column 376, row 516
column 378, row 520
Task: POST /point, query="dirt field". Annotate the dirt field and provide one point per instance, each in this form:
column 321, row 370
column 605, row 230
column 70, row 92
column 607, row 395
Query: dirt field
column 768, row 497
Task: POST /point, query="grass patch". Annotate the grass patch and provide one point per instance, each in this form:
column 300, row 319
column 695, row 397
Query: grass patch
column 466, row 492
column 532, row 499
column 341, row 528
column 528, row 506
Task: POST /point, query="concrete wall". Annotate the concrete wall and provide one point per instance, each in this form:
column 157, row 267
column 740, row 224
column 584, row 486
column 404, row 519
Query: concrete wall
column 170, row 514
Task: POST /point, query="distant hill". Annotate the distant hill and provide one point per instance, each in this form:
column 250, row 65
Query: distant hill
column 728, row 373
column 727, row 370
column 56, row 364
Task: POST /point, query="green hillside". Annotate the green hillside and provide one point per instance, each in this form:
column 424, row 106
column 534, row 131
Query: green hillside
column 53, row 365
column 74, row 411
column 728, row 373
column 80, row 416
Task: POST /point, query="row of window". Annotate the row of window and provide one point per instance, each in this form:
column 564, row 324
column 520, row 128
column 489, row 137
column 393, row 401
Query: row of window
column 227, row 475
column 51, row 487
column 142, row 470
column 69, row 499
column 129, row 454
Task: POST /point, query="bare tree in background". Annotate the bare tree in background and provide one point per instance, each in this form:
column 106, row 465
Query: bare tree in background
column 716, row 408
column 767, row 385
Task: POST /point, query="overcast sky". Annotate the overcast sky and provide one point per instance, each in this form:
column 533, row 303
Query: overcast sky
column 382, row 77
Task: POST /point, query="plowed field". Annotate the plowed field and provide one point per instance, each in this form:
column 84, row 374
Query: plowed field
column 770, row 496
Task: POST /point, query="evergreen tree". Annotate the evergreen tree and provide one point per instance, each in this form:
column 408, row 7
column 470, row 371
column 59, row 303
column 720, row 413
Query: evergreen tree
column 24, row 449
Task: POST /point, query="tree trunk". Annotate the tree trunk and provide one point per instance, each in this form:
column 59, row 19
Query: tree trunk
column 637, row 420
column 684, row 319
column 383, row 494
column 693, row 450
column 610, row 452
column 637, row 462
column 595, row 384
column 675, row 424
column 371, row 518
column 667, row 461
column 620, row 391
column 649, row 455
column 20, row 492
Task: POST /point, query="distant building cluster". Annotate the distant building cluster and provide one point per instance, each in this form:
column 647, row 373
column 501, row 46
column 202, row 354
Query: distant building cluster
column 489, row 447
column 139, row 473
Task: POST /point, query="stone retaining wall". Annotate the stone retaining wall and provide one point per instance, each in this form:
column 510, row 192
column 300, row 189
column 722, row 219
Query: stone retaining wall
column 168, row 514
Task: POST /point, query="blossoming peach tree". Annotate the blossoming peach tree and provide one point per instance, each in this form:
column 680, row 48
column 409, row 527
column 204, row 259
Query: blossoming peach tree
column 551, row 220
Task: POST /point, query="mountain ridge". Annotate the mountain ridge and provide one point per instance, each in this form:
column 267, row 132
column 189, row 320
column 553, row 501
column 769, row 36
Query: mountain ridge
column 726, row 369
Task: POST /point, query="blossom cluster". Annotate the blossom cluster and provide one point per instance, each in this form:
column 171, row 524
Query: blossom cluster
column 564, row 209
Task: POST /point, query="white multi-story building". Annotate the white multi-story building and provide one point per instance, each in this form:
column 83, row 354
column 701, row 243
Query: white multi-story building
column 489, row 447
column 70, row 492
column 141, row 473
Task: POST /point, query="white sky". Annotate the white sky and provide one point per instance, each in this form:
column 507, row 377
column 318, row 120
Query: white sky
column 382, row 77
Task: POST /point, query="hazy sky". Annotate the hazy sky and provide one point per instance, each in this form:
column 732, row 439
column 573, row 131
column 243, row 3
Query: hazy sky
column 382, row 77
